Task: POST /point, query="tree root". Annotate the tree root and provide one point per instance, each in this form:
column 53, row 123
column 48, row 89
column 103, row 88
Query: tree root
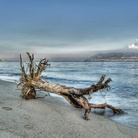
column 29, row 84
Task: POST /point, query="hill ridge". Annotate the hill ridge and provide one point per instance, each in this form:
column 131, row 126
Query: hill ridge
column 113, row 56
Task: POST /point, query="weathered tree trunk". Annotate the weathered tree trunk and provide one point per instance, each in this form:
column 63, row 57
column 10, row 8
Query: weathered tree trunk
column 29, row 84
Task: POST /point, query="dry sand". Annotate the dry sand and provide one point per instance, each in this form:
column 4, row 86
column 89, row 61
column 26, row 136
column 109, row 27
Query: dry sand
column 52, row 117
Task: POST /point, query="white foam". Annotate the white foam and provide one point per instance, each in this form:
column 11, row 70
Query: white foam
column 9, row 78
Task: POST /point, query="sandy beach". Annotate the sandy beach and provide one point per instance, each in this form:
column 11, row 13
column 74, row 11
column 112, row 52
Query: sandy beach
column 52, row 117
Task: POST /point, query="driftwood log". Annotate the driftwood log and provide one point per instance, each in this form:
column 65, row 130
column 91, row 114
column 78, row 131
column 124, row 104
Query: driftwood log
column 31, row 81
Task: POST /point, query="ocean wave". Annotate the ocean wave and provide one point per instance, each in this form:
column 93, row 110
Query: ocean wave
column 9, row 77
column 64, row 79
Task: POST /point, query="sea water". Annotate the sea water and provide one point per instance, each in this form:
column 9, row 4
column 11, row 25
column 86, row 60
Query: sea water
column 124, row 85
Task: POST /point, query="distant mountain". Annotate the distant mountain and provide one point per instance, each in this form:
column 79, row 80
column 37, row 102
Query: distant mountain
column 114, row 56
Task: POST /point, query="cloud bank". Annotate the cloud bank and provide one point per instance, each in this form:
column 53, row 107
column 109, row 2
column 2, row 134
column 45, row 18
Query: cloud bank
column 133, row 45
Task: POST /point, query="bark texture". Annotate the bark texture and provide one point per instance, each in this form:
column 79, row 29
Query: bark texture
column 32, row 80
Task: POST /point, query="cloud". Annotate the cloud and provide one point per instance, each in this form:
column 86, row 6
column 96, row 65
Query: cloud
column 133, row 45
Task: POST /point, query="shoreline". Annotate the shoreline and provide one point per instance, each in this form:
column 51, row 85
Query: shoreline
column 52, row 117
column 54, row 95
column 133, row 127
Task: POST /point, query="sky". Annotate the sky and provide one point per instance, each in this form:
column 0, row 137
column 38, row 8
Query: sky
column 67, row 27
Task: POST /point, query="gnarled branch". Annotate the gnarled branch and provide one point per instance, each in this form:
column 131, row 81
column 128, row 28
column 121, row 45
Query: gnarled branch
column 75, row 96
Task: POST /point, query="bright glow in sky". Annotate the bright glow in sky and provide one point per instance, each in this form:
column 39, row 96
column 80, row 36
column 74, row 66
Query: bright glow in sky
column 66, row 26
column 133, row 45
